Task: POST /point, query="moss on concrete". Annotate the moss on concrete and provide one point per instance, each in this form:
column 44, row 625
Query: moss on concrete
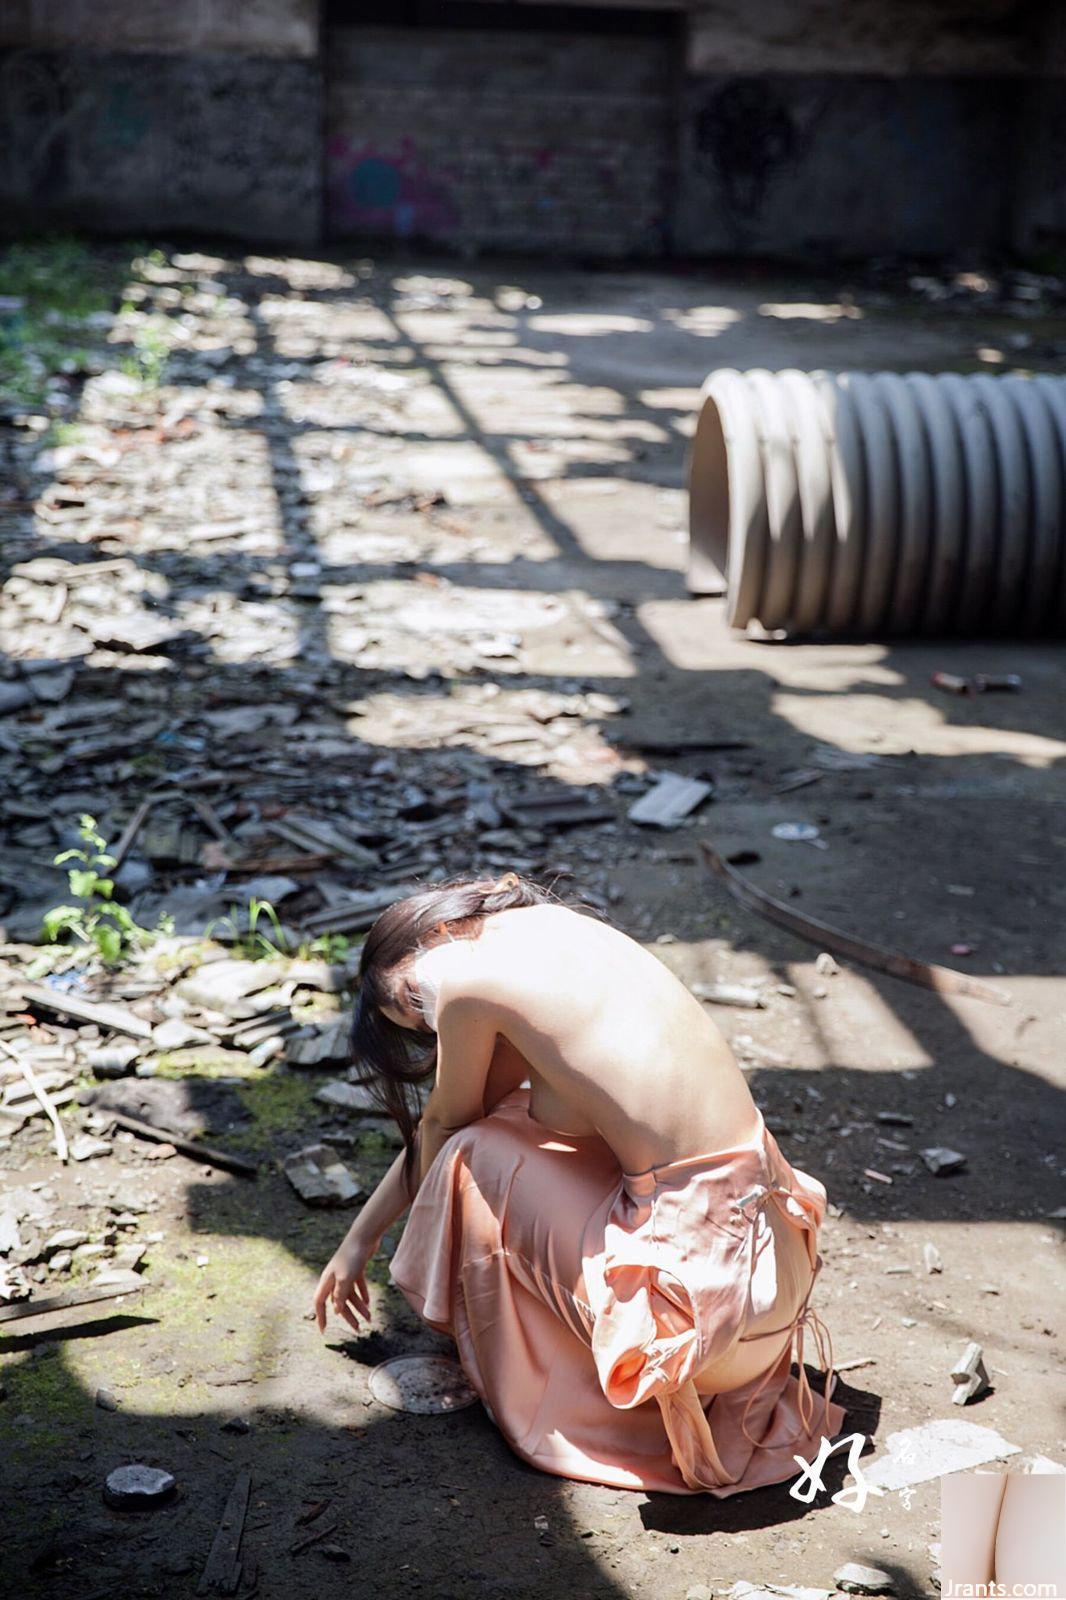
column 280, row 1100
column 203, row 1061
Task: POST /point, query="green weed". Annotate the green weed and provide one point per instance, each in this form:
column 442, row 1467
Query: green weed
column 98, row 919
column 252, row 943
column 55, row 288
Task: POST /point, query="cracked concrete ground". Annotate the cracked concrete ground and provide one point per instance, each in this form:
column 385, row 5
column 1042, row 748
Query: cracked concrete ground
column 442, row 515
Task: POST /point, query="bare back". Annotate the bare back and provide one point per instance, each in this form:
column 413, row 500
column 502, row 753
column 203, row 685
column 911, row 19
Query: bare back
column 610, row 1040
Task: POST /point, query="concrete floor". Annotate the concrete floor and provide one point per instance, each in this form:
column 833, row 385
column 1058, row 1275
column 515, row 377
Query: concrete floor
column 551, row 410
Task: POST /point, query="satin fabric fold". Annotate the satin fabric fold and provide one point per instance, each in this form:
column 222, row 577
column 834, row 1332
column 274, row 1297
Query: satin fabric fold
column 584, row 1301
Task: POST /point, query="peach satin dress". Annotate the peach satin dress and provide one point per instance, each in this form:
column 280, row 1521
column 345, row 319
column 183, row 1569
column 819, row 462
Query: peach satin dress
column 585, row 1300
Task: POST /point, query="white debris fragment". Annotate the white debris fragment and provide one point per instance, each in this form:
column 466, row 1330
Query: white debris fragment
column 86, row 1146
column 671, row 800
column 354, row 1097
column 856, row 1579
column 938, row 1158
column 969, row 1375
column 729, row 994
column 948, row 1444
column 319, row 1177
column 743, row 1590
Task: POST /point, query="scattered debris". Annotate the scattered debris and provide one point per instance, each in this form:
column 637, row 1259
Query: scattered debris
column 426, row 1385
column 139, row 1488
column 969, row 1375
column 222, row 1574
column 979, row 683
column 914, row 1455
column 115, row 1019
column 938, row 1158
column 106, row 1400
column 86, row 1147
column 353, row 1097
column 743, row 1590
column 942, row 979
column 312, row 1538
column 931, row 1257
column 799, row 833
column 673, row 798
column 42, row 1098
column 188, row 1147
column 319, row 1177
column 856, row 1579
column 226, row 986
column 729, row 994
column 71, row 1297
column 315, row 1045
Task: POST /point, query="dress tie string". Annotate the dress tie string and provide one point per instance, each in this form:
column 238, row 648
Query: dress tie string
column 805, row 1317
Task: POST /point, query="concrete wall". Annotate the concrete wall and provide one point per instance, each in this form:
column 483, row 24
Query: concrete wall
column 160, row 143
column 519, row 141
column 889, row 38
column 844, row 166
column 769, row 127
column 246, row 27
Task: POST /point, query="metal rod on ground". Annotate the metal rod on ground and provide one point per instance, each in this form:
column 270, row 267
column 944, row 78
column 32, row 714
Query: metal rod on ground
column 945, row 980
column 131, row 830
column 188, row 1147
column 46, row 1104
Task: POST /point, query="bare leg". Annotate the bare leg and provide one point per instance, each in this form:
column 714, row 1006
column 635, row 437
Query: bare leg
column 1031, row 1540
column 969, row 1513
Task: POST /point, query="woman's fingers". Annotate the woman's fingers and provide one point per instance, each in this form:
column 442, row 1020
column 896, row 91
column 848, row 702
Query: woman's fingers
column 345, row 1312
column 349, row 1297
column 322, row 1296
column 348, row 1291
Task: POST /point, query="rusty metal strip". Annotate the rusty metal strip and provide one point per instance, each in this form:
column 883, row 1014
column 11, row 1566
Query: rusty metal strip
column 944, row 980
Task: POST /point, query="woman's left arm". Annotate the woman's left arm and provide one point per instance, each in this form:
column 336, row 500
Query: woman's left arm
column 466, row 1042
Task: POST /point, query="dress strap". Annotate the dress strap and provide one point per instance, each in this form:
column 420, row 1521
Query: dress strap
column 806, row 1317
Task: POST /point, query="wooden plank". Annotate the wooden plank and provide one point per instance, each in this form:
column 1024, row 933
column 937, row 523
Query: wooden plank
column 70, row 1297
column 223, row 1570
column 188, row 1147
column 117, row 1018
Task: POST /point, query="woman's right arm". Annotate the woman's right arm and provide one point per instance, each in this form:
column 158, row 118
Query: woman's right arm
column 343, row 1283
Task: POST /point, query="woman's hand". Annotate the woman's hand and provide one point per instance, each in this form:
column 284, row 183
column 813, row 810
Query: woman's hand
column 343, row 1283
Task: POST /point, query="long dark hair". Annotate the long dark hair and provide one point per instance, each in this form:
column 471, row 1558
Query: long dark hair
column 395, row 1062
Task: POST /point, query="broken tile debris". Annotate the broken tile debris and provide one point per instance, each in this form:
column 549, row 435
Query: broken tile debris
column 319, row 1176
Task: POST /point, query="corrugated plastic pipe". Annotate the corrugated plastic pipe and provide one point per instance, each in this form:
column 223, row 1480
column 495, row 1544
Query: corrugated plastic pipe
column 881, row 503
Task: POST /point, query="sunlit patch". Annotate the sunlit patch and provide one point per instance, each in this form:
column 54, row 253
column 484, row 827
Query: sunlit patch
column 811, row 311
column 564, row 735
column 706, row 322
column 909, row 724
column 589, row 323
column 304, row 274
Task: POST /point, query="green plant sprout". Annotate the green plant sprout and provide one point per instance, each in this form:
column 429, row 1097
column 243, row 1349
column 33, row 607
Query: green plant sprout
column 152, row 339
column 253, row 944
column 99, row 919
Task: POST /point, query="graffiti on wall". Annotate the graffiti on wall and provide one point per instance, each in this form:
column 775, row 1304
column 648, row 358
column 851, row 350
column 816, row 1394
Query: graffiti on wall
column 118, row 142
column 390, row 193
column 744, row 133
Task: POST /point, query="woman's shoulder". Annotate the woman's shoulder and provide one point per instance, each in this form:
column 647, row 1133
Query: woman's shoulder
column 542, row 920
